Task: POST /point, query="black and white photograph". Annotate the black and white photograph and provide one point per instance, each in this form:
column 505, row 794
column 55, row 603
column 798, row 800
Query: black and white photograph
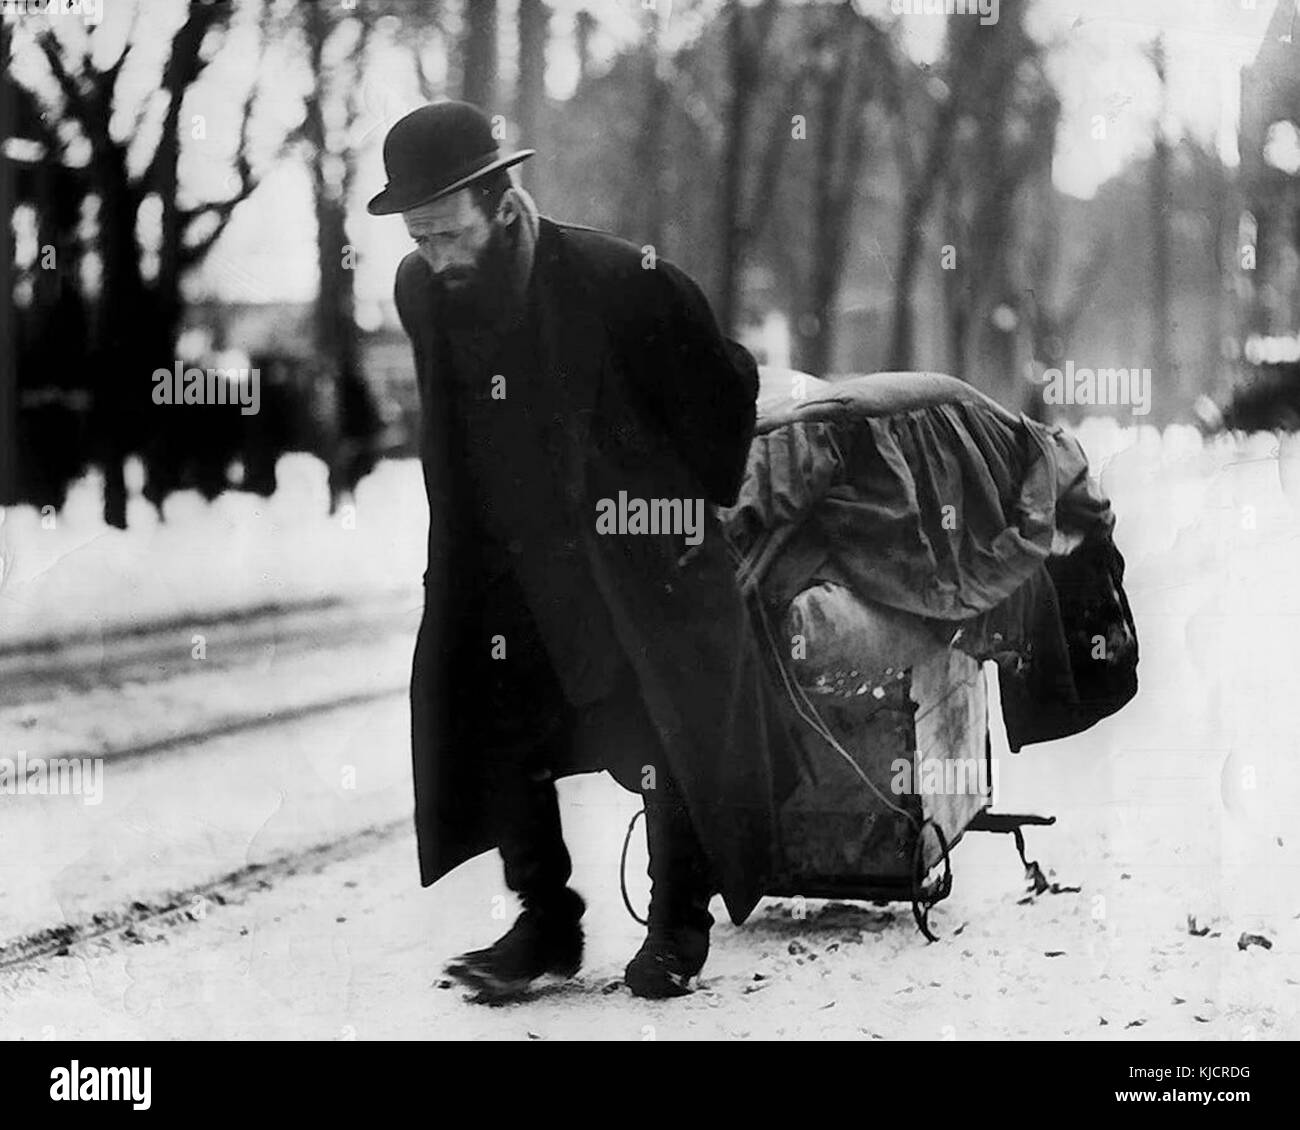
column 651, row 521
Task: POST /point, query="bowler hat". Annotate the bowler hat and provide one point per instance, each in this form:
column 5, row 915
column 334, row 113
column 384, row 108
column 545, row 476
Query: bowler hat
column 436, row 150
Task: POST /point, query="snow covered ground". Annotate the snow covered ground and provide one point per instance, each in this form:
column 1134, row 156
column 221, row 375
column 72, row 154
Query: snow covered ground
column 300, row 914
column 69, row 574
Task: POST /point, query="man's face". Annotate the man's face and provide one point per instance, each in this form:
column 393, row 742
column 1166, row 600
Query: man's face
column 452, row 236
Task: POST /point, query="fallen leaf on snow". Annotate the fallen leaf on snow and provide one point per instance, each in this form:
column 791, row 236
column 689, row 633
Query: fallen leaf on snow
column 1247, row 940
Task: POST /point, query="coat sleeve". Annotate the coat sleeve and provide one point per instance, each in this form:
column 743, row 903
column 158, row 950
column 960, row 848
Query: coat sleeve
column 413, row 299
column 405, row 289
column 704, row 388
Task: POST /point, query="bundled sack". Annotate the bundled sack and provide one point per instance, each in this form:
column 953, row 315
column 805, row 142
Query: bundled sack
column 896, row 512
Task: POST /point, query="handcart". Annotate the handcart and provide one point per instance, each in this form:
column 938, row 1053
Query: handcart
column 877, row 616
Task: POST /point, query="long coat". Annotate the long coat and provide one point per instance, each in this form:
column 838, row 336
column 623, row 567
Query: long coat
column 658, row 404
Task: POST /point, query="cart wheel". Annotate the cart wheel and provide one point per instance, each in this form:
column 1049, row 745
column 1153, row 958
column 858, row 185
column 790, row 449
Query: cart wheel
column 921, row 900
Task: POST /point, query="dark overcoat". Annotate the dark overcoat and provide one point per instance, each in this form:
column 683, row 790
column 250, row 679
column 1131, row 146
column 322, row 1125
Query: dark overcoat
column 654, row 402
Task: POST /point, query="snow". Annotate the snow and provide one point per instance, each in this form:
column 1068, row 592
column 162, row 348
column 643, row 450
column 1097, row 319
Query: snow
column 1178, row 819
column 69, row 574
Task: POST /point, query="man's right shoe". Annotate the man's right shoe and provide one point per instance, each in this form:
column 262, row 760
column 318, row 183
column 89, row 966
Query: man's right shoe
column 677, row 942
column 546, row 940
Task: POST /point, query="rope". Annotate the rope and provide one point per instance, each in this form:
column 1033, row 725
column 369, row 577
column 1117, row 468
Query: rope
column 622, row 869
column 813, row 719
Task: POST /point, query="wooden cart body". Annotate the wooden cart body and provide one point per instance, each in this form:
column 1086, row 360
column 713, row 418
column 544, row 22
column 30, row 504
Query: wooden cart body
column 920, row 772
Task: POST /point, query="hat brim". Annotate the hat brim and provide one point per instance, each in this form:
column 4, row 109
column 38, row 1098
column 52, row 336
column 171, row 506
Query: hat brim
column 394, row 199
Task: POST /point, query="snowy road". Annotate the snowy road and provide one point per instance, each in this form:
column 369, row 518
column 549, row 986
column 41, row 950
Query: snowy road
column 262, row 882
column 289, row 732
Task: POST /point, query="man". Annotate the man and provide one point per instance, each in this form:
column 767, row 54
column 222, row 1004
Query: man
column 565, row 378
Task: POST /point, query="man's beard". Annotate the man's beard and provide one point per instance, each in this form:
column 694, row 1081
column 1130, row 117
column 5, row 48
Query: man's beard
column 485, row 292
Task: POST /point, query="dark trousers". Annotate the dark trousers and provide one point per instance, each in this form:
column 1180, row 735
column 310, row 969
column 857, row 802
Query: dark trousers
column 615, row 731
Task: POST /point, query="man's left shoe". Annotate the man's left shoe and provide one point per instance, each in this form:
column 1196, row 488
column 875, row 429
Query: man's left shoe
column 666, row 962
column 677, row 943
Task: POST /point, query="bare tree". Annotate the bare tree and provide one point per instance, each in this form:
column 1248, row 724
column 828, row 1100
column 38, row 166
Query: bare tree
column 584, row 23
column 138, row 317
column 1004, row 152
column 923, row 178
column 335, row 97
column 748, row 29
column 1160, row 206
column 534, row 22
column 479, row 54
column 991, row 130
column 8, row 342
column 642, row 209
column 842, row 71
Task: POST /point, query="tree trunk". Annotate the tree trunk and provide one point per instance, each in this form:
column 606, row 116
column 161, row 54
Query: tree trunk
column 530, row 92
column 840, row 150
column 479, row 55
column 733, row 170
column 337, row 339
column 956, row 284
column 917, row 206
column 8, row 344
column 641, row 208
column 584, row 23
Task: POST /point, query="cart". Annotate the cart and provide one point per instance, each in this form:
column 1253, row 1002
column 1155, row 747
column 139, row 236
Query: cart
column 920, row 532
column 905, row 533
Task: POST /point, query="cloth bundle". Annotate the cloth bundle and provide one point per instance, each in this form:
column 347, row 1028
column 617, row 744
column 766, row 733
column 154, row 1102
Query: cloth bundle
column 888, row 516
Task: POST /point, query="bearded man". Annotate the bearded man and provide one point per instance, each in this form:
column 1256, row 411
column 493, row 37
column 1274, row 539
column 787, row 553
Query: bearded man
column 561, row 369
